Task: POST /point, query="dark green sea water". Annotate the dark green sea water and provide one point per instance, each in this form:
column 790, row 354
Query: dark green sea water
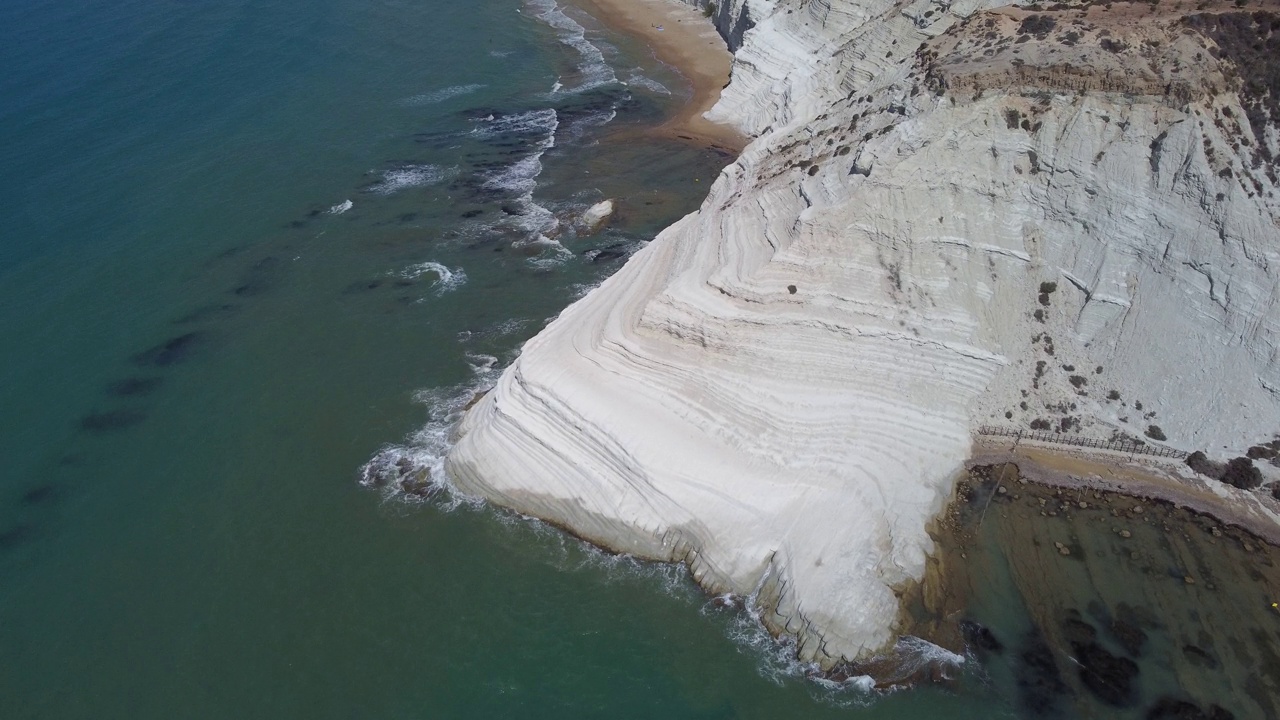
column 200, row 352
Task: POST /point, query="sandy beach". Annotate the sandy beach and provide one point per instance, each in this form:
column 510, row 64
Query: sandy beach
column 688, row 42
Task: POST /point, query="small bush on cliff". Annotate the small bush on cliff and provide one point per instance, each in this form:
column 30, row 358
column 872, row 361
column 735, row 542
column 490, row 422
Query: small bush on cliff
column 1155, row 433
column 1241, row 473
column 1201, row 463
column 1250, row 42
column 709, row 10
column 1038, row 25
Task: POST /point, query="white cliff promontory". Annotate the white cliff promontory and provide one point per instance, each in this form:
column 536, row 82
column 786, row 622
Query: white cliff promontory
column 951, row 214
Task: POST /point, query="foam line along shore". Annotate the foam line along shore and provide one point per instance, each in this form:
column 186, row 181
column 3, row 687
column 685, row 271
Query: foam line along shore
column 685, row 39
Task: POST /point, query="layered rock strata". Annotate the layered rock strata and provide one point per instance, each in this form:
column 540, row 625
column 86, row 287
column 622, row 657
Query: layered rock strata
column 951, row 214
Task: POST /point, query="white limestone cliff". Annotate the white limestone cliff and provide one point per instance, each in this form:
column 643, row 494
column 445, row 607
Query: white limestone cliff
column 781, row 388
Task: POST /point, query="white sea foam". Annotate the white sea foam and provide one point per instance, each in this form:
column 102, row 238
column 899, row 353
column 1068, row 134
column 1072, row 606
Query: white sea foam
column 446, row 279
column 593, row 69
column 341, row 207
column 520, row 177
column 534, row 122
column 597, row 119
column 535, row 222
column 409, row 176
column 438, row 96
column 414, row 470
column 505, row 327
column 635, row 79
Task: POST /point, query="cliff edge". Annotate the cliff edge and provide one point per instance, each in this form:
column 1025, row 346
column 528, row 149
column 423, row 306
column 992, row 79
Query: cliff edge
column 951, row 214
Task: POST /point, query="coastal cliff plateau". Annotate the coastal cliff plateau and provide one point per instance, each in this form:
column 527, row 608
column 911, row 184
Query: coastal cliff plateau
column 950, row 214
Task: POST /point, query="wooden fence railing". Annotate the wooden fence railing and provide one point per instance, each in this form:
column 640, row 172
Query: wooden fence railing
column 1050, row 437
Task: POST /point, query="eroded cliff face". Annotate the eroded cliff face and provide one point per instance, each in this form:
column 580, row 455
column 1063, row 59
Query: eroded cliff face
column 952, row 214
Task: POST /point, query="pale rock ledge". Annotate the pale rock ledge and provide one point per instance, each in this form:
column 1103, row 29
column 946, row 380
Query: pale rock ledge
column 780, row 389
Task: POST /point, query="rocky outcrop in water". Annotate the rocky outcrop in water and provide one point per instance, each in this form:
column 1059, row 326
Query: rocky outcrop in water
column 951, row 214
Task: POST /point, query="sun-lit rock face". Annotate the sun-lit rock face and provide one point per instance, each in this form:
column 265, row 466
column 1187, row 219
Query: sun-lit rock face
column 951, row 215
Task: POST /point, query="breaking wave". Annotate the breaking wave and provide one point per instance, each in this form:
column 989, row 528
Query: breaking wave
column 534, row 122
column 533, row 223
column 636, row 80
column 409, row 176
column 414, row 471
column 592, row 70
column 446, row 279
column 598, row 119
column 438, row 96
column 341, row 207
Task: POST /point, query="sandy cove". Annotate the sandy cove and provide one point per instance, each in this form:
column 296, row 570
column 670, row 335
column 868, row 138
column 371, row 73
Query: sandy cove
column 689, row 43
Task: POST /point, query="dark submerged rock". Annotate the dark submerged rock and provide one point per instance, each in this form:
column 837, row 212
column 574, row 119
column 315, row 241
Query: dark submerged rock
column 262, row 277
column 1078, row 631
column 134, row 386
column 111, row 420
column 1167, row 708
column 15, row 536
column 980, row 637
column 360, row 286
column 40, row 495
column 607, row 255
column 1107, row 676
column 171, row 352
column 1199, row 657
column 1041, row 688
column 1130, row 636
column 207, row 312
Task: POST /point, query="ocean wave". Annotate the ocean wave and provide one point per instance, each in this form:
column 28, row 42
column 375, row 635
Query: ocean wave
column 438, row 96
column 637, row 80
column 533, row 222
column 551, row 253
column 534, row 122
column 593, row 69
column 414, row 470
column 341, row 207
column 519, row 177
column 409, row 176
column 446, row 279
column 598, row 119
column 498, row 329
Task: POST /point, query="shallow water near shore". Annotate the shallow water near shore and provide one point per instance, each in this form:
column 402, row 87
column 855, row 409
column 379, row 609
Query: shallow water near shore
column 248, row 247
column 1081, row 603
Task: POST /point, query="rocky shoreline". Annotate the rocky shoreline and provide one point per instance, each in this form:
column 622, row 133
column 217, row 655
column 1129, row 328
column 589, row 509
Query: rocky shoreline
column 1142, row 479
column 947, row 216
column 1121, row 604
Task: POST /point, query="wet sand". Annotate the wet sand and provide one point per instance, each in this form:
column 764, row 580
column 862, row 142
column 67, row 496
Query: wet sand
column 688, row 42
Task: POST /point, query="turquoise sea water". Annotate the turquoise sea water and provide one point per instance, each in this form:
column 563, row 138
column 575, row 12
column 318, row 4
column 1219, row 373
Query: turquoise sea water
column 203, row 344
